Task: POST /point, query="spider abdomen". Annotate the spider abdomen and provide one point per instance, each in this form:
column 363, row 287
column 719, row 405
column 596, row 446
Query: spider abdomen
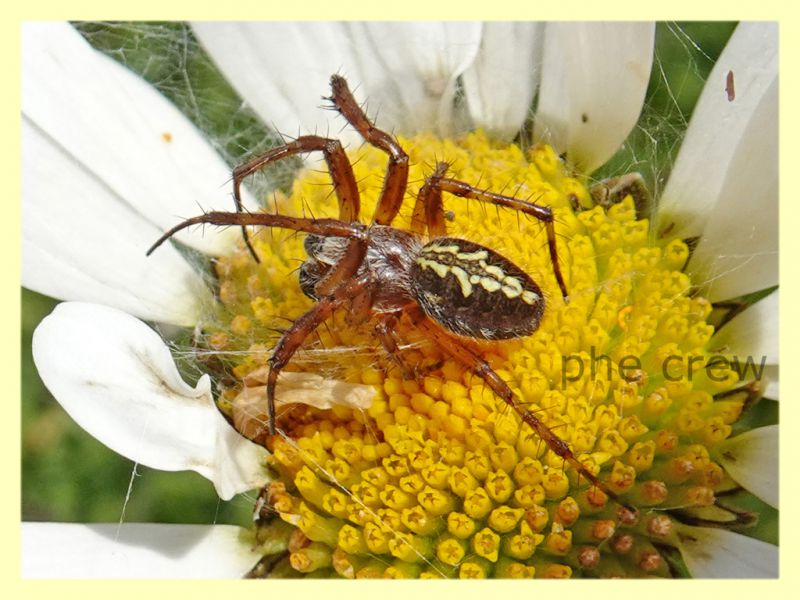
column 474, row 291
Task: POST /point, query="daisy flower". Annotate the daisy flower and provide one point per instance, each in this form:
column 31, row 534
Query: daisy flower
column 379, row 475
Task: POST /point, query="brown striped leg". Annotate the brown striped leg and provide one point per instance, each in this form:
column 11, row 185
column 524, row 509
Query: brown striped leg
column 344, row 182
column 396, row 180
column 384, row 330
column 326, row 227
column 428, row 209
column 482, row 369
column 293, row 338
column 360, row 309
column 344, row 269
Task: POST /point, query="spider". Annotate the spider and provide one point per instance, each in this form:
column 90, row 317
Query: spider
column 448, row 288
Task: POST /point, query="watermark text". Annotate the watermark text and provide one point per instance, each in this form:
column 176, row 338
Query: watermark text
column 674, row 367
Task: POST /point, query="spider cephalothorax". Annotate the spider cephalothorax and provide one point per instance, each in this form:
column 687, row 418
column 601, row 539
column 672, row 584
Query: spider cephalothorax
column 449, row 288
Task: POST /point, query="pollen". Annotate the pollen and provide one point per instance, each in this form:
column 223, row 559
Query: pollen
column 439, row 478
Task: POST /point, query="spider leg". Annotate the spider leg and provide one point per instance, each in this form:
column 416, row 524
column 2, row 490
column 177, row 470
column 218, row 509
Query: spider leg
column 429, row 209
column 324, row 227
column 301, row 329
column 344, row 182
column 344, row 269
column 396, row 180
column 431, row 201
column 385, row 332
column 360, row 310
column 481, row 368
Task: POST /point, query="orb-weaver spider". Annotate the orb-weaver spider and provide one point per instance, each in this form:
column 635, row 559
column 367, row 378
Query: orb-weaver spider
column 448, row 287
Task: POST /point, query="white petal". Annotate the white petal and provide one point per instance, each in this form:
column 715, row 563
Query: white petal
column 753, row 334
column 738, row 251
column 250, row 406
column 115, row 126
column 405, row 71
column 772, row 378
column 501, row 83
column 419, row 64
column 752, row 460
column 80, row 241
column 594, row 78
column 117, row 380
column 718, row 553
column 134, row 551
column 716, row 132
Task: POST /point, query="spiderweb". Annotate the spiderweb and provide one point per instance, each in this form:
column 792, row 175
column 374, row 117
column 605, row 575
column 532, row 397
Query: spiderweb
column 169, row 57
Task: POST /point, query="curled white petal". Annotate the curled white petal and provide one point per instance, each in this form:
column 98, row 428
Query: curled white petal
column 81, row 241
column 113, row 126
column 752, row 460
column 117, row 380
column 406, row 71
column 500, row 85
column 738, row 85
column 250, row 411
column 718, row 553
column 594, row 78
column 134, row 551
column 752, row 336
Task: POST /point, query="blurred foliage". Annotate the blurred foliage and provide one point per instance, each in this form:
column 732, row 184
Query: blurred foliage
column 68, row 476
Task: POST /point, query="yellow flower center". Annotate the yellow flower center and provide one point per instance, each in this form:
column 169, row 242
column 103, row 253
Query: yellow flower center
column 438, row 477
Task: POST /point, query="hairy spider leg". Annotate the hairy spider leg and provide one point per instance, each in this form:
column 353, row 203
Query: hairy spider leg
column 481, row 368
column 339, row 167
column 360, row 309
column 344, row 181
column 325, row 227
column 429, row 210
column 302, row 328
column 386, row 334
column 340, row 288
column 345, row 268
column 396, row 180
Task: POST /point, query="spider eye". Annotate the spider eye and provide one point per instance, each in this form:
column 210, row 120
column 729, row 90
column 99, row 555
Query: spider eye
column 474, row 291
